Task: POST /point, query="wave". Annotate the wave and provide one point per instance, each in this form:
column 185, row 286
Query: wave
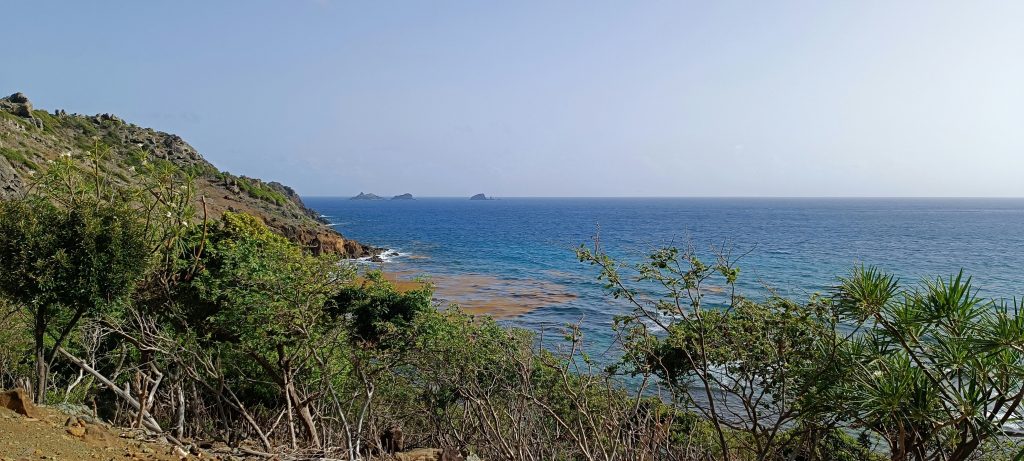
column 386, row 256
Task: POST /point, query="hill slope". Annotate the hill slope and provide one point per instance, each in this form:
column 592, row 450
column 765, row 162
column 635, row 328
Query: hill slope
column 30, row 137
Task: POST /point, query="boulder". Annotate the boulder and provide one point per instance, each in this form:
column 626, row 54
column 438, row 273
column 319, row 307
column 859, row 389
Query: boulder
column 18, row 98
column 18, row 401
column 77, row 431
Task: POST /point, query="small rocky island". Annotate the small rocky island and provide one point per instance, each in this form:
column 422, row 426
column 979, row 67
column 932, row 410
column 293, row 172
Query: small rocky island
column 481, row 197
column 364, row 196
column 405, row 196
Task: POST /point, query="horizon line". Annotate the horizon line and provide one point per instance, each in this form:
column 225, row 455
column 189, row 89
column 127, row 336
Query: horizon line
column 496, row 197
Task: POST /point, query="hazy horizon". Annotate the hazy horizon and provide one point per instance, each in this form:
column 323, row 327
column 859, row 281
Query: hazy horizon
column 388, row 196
column 543, row 99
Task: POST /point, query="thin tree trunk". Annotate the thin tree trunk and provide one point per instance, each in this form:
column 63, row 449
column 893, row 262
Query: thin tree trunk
column 302, row 407
column 147, row 419
column 41, row 369
column 179, row 429
column 291, row 422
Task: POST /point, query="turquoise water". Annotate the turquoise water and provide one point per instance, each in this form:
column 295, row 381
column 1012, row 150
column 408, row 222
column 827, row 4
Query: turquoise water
column 510, row 246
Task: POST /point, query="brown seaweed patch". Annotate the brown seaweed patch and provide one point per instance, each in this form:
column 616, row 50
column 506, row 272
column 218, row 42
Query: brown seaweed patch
column 487, row 294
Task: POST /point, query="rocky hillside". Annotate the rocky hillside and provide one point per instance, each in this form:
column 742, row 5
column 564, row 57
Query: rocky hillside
column 30, row 137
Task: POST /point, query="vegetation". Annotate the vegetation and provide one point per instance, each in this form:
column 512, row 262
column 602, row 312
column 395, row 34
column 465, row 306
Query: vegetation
column 18, row 157
column 255, row 189
column 124, row 298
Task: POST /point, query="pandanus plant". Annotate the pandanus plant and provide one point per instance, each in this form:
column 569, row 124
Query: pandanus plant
column 936, row 369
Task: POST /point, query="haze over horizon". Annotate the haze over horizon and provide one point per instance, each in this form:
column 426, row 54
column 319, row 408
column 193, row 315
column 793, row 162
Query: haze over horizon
column 589, row 98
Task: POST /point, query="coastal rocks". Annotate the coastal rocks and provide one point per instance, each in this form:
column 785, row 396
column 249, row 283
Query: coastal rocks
column 321, row 240
column 406, row 196
column 364, row 196
column 18, row 401
column 481, row 197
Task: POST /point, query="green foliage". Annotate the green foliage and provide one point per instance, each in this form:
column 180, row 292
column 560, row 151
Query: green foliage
column 938, row 370
column 773, row 347
column 64, row 264
column 256, row 328
column 86, row 255
column 265, row 289
column 255, row 189
column 15, row 343
column 50, row 123
column 376, row 307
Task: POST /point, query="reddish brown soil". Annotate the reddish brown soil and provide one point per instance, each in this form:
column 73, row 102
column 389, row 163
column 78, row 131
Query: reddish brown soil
column 46, row 437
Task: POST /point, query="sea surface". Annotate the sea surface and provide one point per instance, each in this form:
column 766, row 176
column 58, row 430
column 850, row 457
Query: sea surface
column 493, row 256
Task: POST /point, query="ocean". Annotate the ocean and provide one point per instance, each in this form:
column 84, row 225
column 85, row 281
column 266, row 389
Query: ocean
column 514, row 258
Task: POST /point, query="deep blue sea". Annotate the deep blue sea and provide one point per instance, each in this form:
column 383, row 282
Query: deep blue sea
column 521, row 249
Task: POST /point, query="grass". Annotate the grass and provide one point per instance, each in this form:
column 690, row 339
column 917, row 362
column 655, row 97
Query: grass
column 82, row 124
column 18, row 157
column 49, row 121
column 17, row 119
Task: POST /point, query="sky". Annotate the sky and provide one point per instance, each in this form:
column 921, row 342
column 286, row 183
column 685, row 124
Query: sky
column 553, row 98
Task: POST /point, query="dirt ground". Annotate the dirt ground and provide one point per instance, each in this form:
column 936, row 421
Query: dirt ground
column 29, row 432
column 47, row 437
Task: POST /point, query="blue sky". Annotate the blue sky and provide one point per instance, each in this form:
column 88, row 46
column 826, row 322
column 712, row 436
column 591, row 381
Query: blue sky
column 553, row 98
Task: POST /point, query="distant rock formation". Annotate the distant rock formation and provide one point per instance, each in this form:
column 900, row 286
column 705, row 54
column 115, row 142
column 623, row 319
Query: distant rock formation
column 480, row 197
column 364, row 196
column 405, row 196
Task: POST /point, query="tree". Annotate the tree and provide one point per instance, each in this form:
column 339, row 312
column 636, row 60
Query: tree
column 936, row 370
column 754, row 369
column 65, row 263
column 268, row 299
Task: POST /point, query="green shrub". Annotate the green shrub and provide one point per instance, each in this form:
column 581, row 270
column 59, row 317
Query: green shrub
column 375, row 307
column 261, row 191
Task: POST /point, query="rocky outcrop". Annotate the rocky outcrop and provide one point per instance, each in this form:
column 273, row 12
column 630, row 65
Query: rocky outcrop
column 29, row 138
column 364, row 196
column 480, row 197
column 326, row 241
column 18, row 401
column 20, row 105
column 10, row 181
column 406, row 196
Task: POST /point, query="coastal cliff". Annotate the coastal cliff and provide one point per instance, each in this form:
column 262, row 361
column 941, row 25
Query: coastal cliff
column 30, row 137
